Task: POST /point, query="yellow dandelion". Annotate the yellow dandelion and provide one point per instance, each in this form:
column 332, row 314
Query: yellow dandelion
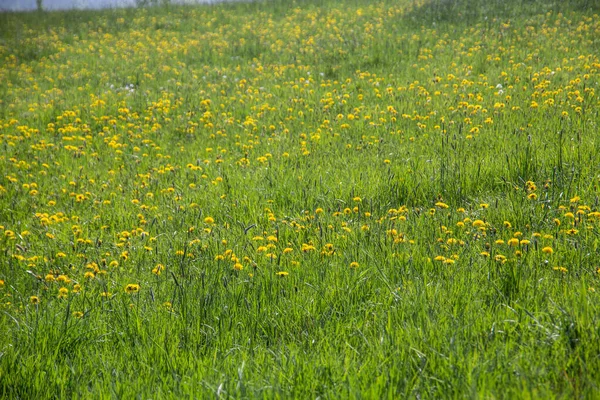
column 63, row 292
column 132, row 288
column 513, row 242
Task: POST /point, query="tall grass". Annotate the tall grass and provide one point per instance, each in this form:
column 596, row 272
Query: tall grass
column 300, row 200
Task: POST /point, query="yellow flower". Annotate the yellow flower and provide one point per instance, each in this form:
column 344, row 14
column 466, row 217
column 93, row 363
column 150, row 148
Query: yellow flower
column 34, row 300
column 500, row 258
column 354, row 264
column 63, row 292
column 77, row 314
column 238, row 267
column 513, row 242
column 209, row 220
column 132, row 288
column 158, row 269
column 547, row 250
column 282, row 274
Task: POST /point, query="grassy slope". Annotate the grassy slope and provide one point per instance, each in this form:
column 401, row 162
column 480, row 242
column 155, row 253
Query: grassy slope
column 275, row 143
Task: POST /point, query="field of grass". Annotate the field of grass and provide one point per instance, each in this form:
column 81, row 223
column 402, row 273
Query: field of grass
column 389, row 199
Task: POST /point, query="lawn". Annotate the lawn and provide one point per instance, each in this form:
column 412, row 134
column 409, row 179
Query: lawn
column 309, row 199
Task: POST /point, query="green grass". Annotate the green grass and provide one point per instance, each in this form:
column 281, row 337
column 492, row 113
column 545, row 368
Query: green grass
column 238, row 161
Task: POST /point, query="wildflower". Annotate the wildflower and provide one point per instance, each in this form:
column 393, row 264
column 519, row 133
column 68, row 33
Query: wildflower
column 158, row 269
column 478, row 223
column 282, row 274
column 132, row 288
column 354, row 264
column 547, row 250
column 63, row 292
column 500, row 258
column 238, row 267
column 34, row 300
column 77, row 314
column 440, row 204
column 513, row 242
column 209, row 220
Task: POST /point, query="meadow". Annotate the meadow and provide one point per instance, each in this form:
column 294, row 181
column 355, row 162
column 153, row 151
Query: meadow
column 309, row 199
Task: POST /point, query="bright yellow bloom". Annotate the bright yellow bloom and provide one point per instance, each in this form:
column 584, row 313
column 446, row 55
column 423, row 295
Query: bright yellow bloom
column 132, row 288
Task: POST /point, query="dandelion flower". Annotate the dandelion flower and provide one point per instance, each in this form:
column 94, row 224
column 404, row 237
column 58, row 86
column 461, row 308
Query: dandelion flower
column 132, row 288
